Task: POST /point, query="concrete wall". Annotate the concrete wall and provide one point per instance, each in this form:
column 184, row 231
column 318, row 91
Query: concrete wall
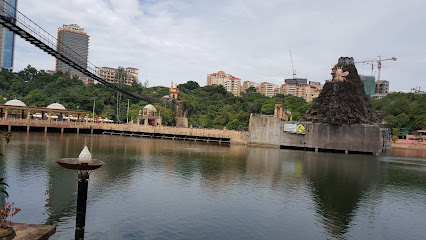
column 357, row 138
column 265, row 131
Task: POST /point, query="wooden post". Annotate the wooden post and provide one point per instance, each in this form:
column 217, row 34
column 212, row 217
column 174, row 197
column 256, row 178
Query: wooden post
column 28, row 128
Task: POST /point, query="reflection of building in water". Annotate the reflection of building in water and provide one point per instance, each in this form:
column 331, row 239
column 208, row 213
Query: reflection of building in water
column 280, row 169
column 338, row 184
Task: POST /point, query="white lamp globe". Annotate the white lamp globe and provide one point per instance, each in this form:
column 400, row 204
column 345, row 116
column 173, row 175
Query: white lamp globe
column 85, row 156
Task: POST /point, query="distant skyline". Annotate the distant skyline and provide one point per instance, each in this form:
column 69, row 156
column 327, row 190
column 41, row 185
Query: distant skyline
column 182, row 40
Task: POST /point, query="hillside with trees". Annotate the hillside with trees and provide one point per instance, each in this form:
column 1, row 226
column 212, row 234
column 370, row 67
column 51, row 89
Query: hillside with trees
column 402, row 110
column 208, row 107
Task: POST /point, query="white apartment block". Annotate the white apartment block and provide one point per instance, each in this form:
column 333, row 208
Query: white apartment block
column 247, row 84
column 108, row 74
column 307, row 92
column 268, row 89
column 231, row 83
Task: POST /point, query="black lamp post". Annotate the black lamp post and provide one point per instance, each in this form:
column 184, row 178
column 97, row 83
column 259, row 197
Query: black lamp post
column 84, row 165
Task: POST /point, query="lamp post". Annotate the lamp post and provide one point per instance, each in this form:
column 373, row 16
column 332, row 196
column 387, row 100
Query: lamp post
column 94, row 102
column 128, row 104
column 84, row 164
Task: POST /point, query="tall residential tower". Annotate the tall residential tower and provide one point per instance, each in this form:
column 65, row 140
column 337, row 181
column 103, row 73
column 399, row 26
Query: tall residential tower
column 7, row 38
column 73, row 43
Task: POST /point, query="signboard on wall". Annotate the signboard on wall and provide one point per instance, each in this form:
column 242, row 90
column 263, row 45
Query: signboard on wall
column 295, row 128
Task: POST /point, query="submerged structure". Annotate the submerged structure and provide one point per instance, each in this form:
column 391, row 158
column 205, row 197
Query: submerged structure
column 341, row 119
column 342, row 100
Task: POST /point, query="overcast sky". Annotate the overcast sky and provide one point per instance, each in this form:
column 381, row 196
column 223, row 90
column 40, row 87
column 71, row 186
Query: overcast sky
column 181, row 40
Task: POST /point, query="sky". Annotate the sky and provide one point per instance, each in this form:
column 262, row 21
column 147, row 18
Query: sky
column 182, row 40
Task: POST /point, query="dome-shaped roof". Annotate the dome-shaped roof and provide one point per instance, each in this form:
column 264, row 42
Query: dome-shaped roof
column 56, row 106
column 15, row 102
column 150, row 106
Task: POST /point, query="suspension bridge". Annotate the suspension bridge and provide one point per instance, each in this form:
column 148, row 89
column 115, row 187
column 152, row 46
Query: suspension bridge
column 21, row 25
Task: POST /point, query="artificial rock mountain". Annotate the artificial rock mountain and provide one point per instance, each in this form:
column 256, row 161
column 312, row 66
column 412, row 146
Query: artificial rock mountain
column 342, row 102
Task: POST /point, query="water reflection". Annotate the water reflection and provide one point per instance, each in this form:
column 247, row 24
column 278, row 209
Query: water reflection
column 338, row 183
column 209, row 191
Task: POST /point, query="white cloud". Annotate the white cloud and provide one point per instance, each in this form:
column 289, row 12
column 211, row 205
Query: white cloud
column 183, row 40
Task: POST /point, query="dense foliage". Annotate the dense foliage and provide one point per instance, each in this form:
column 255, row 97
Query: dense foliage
column 208, row 107
column 402, row 110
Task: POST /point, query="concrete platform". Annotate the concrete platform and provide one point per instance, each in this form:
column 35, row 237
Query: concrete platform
column 359, row 138
column 32, row 231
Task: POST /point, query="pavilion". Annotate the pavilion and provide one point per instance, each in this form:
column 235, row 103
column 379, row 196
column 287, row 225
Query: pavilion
column 18, row 109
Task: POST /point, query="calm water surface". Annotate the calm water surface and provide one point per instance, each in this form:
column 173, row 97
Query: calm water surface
column 164, row 189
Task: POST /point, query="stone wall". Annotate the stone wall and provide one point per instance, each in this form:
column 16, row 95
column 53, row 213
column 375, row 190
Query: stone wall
column 268, row 131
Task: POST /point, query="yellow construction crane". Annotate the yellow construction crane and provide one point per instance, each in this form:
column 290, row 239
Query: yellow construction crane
column 379, row 67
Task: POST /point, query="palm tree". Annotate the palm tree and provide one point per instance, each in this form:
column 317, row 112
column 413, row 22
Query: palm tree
column 120, row 76
column 2, row 188
column 3, row 184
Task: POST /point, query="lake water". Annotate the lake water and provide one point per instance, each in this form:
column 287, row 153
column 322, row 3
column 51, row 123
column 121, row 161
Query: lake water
column 165, row 189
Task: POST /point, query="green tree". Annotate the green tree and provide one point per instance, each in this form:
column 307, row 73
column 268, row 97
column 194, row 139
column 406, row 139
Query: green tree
column 37, row 98
column 188, row 86
column 420, row 121
column 251, row 90
column 28, row 73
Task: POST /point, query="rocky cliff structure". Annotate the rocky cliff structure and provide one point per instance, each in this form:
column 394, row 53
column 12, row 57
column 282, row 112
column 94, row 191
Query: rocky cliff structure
column 343, row 100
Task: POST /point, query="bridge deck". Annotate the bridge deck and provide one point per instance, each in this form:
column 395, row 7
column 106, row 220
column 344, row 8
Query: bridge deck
column 191, row 134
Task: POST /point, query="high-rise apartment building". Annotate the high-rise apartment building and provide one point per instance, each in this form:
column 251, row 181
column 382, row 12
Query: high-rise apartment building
column 289, row 89
column 231, row 83
column 312, row 91
column 7, row 37
column 307, row 92
column 247, row 84
column 109, row 74
column 73, row 43
column 267, row 89
column 218, row 78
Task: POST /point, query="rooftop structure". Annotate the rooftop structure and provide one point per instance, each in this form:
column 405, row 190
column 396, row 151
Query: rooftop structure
column 296, row 81
column 174, row 91
column 150, row 116
column 15, row 102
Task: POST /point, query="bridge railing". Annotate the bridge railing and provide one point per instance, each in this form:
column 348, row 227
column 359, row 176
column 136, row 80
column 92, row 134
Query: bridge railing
column 38, row 32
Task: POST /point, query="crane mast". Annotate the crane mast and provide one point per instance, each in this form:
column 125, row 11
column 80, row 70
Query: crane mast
column 292, row 66
column 379, row 67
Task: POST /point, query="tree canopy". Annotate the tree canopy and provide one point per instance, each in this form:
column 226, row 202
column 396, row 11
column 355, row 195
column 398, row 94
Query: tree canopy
column 208, row 107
